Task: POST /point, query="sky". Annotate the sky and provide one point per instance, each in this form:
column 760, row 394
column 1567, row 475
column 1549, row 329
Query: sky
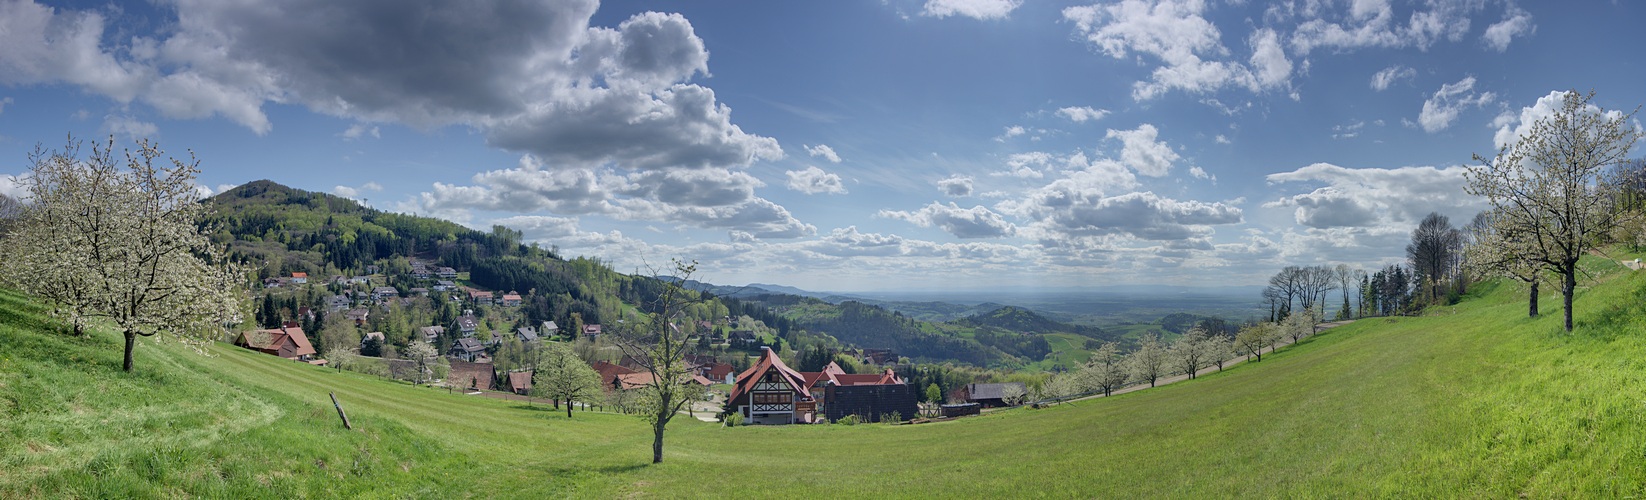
column 894, row 145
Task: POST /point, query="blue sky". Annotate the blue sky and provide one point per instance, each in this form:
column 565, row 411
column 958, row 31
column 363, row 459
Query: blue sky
column 852, row 146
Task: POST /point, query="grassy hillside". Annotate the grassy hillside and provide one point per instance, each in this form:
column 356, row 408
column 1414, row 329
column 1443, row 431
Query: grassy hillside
column 1473, row 400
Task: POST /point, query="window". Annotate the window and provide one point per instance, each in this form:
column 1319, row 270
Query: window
column 773, row 398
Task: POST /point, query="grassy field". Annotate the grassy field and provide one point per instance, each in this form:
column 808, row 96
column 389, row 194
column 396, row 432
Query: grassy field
column 1473, row 400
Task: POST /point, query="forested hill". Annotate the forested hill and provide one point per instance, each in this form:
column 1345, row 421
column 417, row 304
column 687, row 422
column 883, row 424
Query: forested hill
column 1025, row 321
column 283, row 230
column 286, row 230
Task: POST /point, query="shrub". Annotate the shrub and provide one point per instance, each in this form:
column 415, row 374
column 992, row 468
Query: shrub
column 734, row 419
column 893, row 418
column 847, row 420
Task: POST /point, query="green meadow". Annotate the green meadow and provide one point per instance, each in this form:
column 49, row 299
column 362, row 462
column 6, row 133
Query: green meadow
column 1469, row 400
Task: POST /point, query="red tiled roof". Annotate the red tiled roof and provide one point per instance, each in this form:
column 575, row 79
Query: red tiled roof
column 520, row 380
column 769, row 361
column 608, row 372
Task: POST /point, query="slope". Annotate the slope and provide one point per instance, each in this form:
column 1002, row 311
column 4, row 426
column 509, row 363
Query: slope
column 1472, row 400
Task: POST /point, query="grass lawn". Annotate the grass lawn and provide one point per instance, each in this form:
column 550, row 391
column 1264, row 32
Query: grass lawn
column 1475, row 400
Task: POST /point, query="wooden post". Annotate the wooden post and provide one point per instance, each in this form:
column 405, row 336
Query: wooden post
column 340, row 413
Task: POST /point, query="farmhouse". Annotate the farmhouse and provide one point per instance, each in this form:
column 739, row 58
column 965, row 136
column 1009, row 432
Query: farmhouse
column 511, row 299
column 287, row 342
column 520, row 382
column 609, row 373
column 372, row 335
column 526, row 334
column 771, row 393
column 994, row 395
column 591, row 331
column 299, row 278
column 359, row 315
column 465, row 375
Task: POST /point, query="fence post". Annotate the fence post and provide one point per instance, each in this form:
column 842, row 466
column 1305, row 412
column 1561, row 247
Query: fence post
column 340, row 413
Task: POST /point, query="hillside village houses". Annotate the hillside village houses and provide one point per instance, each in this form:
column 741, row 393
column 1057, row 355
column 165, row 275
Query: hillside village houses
column 288, row 342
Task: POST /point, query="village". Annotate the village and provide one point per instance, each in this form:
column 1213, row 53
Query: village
column 371, row 322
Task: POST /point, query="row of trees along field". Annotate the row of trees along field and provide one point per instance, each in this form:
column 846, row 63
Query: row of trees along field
column 1199, row 348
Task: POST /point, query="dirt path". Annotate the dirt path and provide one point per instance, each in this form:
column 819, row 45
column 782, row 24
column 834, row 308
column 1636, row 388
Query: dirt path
column 1238, row 360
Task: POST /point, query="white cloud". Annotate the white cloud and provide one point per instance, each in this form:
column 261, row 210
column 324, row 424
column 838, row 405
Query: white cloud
column 3, row 103
column 1511, row 126
column 1200, row 173
column 975, row 222
column 1347, row 131
column 1082, row 114
column 371, row 186
column 1516, row 22
column 1142, row 152
column 12, row 186
column 1070, row 217
column 130, row 127
column 824, row 151
column 346, row 192
column 814, row 180
column 1442, row 108
column 359, row 130
column 1222, row 139
column 1269, row 62
column 1187, row 46
column 976, row 9
column 1371, row 23
column 958, row 185
column 1394, row 198
column 1012, row 131
column 531, row 77
column 1388, row 76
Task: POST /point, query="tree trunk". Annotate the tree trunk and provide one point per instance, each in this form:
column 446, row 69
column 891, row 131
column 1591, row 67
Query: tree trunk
column 568, row 408
column 657, row 440
column 1568, row 286
column 1532, row 306
column 131, row 341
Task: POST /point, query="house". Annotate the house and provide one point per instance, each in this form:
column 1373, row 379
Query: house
column 444, row 286
column 511, row 299
column 631, row 381
column 360, row 280
column 591, row 331
column 879, row 356
column 359, row 315
column 419, row 291
column 272, row 282
column 526, row 334
column 381, row 340
column 480, row 297
column 432, row 333
column 609, row 373
column 384, row 293
column 305, row 312
column 550, row 329
column 520, row 382
column 467, row 349
column 471, row 375
column 287, row 342
column 299, row 278
column 870, row 402
column 338, row 302
column 994, row 395
column 373, row 269
column 771, row 393
column 743, row 339
column 446, row 272
column 420, row 270
column 467, row 323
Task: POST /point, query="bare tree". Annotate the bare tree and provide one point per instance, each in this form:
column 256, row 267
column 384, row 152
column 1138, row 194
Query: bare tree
column 127, row 244
column 1549, row 187
column 1434, row 252
column 1346, row 282
column 659, row 344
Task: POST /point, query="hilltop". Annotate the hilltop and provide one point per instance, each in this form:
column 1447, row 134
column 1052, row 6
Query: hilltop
column 1471, row 400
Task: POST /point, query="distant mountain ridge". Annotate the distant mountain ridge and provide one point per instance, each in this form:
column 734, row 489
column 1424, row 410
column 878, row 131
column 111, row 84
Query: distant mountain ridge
column 1022, row 320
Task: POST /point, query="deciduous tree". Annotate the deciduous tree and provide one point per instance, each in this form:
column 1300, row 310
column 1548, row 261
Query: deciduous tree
column 1549, row 187
column 1188, row 353
column 659, row 343
column 562, row 376
column 127, row 243
column 1148, row 362
column 1108, row 368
